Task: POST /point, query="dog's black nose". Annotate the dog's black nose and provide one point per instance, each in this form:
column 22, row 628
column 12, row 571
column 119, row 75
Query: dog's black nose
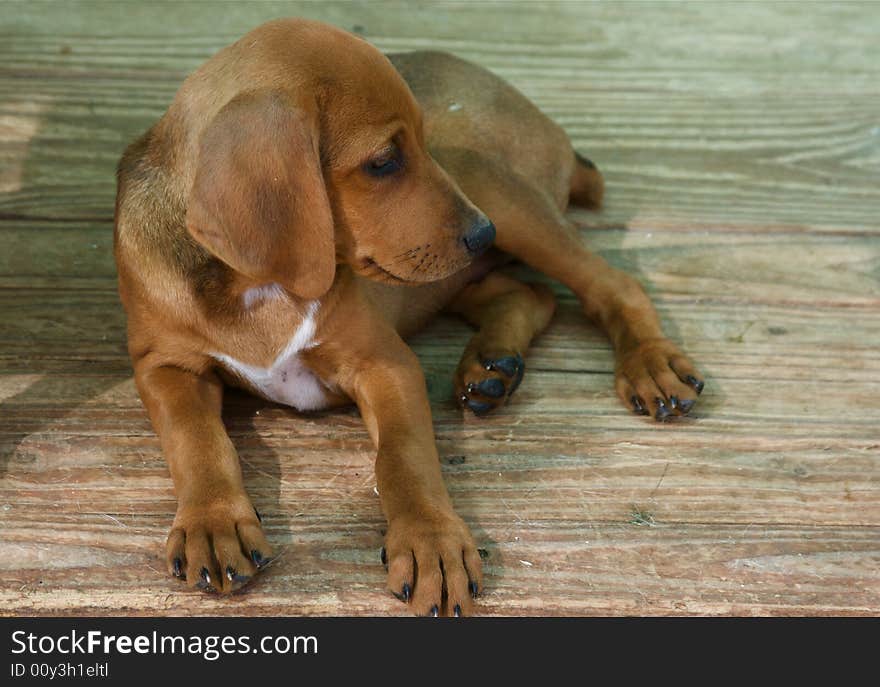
column 479, row 237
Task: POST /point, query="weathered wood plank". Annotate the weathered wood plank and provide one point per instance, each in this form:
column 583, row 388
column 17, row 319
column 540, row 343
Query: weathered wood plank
column 709, row 266
column 536, row 568
column 734, row 130
column 727, row 168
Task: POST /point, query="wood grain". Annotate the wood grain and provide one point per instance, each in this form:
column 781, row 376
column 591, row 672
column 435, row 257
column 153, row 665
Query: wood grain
column 741, row 146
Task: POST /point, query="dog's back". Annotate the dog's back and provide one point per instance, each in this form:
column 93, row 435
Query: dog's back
column 469, row 110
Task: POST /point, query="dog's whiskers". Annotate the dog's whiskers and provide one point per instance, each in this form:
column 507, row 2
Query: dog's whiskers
column 407, row 254
column 417, row 262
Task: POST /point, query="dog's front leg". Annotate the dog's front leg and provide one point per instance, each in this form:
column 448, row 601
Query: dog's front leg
column 426, row 541
column 216, row 541
column 428, row 547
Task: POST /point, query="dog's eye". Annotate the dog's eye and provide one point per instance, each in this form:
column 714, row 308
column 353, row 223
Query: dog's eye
column 388, row 162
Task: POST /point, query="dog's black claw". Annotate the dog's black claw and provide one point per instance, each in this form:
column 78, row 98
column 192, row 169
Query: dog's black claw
column 479, row 408
column 405, row 593
column 233, row 576
column 519, row 377
column 204, row 582
column 492, row 387
column 258, row 559
column 383, row 556
column 698, row 384
column 685, row 405
column 177, row 565
column 435, row 612
column 456, row 611
column 673, row 402
column 474, row 589
column 637, row 406
column 662, row 411
column 509, row 365
column 483, row 553
column 257, row 513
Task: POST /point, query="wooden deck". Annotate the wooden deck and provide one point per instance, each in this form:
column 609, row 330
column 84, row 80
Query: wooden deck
column 741, row 146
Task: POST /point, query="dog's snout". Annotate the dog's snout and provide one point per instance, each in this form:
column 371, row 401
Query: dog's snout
column 480, row 236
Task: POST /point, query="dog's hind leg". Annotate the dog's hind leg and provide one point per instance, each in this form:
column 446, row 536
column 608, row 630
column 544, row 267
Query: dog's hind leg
column 652, row 375
column 508, row 315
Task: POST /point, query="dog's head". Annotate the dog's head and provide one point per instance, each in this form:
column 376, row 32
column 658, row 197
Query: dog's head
column 312, row 153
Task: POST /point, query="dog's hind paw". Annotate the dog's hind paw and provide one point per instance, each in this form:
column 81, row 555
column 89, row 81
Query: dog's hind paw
column 485, row 381
column 657, row 379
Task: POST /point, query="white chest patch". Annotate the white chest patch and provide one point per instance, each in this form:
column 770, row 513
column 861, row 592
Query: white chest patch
column 287, row 381
column 258, row 294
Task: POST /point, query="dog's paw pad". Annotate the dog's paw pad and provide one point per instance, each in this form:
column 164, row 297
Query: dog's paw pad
column 484, row 382
column 492, row 387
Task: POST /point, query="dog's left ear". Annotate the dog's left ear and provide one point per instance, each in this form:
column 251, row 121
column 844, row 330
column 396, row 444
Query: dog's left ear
column 258, row 201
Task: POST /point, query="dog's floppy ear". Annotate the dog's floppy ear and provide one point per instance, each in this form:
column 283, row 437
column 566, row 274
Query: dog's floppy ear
column 258, row 201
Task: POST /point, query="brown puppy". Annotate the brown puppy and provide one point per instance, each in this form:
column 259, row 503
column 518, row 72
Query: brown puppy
column 303, row 205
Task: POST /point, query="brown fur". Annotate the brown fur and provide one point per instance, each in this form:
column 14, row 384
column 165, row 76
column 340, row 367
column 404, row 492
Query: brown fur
column 261, row 173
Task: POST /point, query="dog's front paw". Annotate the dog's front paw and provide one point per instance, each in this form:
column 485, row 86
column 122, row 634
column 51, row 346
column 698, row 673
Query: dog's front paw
column 657, row 379
column 217, row 546
column 426, row 556
column 484, row 381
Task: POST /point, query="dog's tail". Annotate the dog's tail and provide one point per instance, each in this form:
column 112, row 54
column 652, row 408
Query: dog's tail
column 587, row 184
